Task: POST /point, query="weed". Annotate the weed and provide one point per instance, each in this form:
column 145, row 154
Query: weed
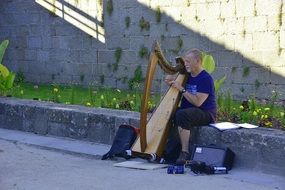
column 118, row 54
column 158, row 14
column 144, row 24
column 102, row 79
column 137, row 79
column 109, row 7
column 143, row 52
column 127, row 21
column 257, row 84
column 246, row 71
column 20, row 78
column 82, row 76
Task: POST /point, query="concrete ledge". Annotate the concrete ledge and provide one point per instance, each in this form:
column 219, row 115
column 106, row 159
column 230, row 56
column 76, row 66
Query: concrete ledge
column 78, row 122
column 260, row 149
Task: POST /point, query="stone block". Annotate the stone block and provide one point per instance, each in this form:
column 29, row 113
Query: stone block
column 106, row 56
column 34, row 42
column 40, row 123
column 88, row 56
column 245, row 11
column 265, row 41
column 243, row 43
column 58, row 129
column 270, row 7
column 255, row 24
column 31, row 55
column 273, row 23
column 227, row 9
column 59, row 115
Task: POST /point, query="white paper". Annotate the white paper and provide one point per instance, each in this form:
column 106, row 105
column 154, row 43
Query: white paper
column 225, row 125
column 228, row 125
column 247, row 125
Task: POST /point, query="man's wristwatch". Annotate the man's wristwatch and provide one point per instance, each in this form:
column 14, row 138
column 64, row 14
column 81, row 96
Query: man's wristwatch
column 183, row 91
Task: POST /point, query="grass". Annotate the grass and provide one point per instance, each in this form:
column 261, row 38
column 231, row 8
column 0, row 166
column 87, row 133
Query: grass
column 265, row 114
column 92, row 97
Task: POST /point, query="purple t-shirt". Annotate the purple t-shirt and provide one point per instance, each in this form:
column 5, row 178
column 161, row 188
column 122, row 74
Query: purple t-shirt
column 202, row 83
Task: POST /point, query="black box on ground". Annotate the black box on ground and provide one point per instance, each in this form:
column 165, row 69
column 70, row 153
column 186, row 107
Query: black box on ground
column 213, row 155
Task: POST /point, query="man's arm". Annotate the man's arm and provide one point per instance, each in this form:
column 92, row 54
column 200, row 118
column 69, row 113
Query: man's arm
column 197, row 100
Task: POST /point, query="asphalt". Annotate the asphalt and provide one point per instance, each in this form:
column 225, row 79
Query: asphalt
column 33, row 162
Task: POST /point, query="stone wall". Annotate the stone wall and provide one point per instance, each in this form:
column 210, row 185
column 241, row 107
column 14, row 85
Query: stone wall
column 78, row 122
column 94, row 42
column 259, row 149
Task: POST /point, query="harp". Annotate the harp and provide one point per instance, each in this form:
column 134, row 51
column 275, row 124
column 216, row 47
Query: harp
column 154, row 131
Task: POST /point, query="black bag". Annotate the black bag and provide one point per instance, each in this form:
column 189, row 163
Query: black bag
column 213, row 156
column 172, row 150
column 124, row 139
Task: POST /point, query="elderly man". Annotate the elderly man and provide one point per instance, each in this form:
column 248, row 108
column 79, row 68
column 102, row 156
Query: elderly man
column 198, row 104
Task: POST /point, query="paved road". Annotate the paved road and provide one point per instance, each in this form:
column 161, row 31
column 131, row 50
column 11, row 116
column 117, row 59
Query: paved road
column 41, row 167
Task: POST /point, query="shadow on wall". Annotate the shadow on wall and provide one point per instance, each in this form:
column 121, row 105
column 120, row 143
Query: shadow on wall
column 108, row 49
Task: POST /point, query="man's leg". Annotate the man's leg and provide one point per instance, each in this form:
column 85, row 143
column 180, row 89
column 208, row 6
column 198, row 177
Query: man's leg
column 185, row 119
column 184, row 138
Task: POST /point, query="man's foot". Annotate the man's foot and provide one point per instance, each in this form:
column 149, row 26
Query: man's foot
column 183, row 158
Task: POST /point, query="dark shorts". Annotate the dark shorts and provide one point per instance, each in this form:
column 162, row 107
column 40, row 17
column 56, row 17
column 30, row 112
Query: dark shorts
column 191, row 117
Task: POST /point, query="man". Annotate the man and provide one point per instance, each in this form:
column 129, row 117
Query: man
column 198, row 104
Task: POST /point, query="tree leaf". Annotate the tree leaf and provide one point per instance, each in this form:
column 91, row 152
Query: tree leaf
column 218, row 84
column 4, row 71
column 3, row 47
column 208, row 63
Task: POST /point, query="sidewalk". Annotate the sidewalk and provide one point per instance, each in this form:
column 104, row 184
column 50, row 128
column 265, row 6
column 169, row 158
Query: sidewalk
column 75, row 166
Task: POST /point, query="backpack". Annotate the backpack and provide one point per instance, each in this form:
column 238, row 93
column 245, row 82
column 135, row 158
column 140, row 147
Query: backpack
column 123, row 141
column 172, row 150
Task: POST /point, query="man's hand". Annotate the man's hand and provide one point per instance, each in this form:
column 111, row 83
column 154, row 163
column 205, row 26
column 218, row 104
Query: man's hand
column 170, row 80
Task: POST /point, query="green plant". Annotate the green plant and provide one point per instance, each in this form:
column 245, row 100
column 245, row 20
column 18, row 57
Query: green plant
column 246, row 71
column 197, row 18
column 72, row 97
column 6, row 77
column 158, row 14
column 210, row 66
column 228, row 101
column 127, row 21
column 179, row 43
column 257, row 84
column 143, row 52
column 20, row 78
column 91, row 95
column 102, row 79
column 101, row 23
column 100, row 2
column 137, row 79
column 109, row 7
column 118, row 54
column 188, row 3
column 178, row 47
column 280, row 15
column 55, row 94
column 82, row 76
column 243, row 33
column 115, row 66
column 144, row 24
column 255, row 11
